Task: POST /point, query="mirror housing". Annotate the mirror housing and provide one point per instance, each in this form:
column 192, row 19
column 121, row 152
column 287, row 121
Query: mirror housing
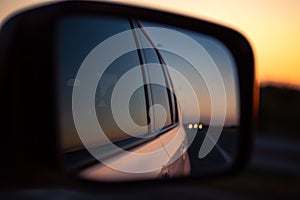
column 29, row 75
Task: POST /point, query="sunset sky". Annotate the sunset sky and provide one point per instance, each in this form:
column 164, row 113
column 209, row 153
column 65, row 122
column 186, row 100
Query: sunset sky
column 272, row 27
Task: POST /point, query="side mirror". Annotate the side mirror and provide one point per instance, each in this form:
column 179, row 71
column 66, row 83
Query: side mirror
column 107, row 92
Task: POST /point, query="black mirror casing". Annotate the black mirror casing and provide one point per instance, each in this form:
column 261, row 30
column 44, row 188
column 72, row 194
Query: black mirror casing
column 29, row 151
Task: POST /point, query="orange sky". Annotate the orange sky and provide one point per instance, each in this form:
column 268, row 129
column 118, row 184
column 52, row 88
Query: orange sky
column 272, row 27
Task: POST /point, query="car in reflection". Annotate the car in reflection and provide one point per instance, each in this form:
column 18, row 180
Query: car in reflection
column 157, row 126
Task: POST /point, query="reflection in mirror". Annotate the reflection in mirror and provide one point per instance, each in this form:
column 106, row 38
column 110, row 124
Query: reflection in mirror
column 141, row 100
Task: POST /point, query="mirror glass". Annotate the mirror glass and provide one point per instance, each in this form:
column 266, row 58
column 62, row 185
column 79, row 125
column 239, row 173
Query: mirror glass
column 140, row 100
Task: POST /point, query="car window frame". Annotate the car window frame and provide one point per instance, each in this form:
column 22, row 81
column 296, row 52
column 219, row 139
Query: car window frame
column 137, row 24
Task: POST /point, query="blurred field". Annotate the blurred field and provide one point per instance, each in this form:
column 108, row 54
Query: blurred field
column 279, row 111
